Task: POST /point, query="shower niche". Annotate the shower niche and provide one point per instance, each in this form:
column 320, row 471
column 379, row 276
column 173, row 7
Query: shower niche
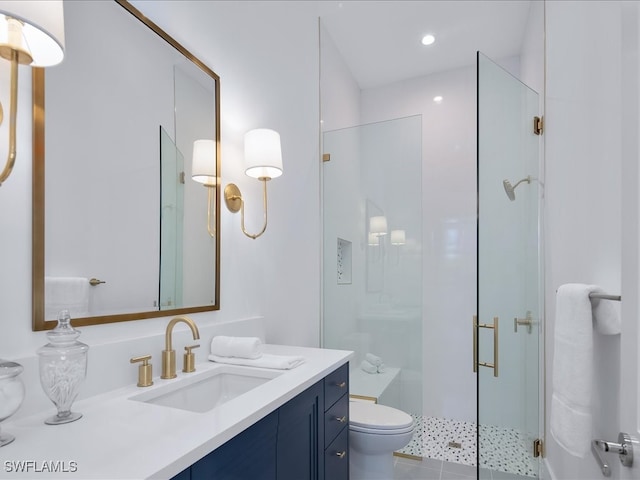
column 343, row 262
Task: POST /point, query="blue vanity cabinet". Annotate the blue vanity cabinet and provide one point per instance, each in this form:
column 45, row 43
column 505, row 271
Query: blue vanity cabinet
column 250, row 455
column 300, row 447
column 336, row 424
column 305, row 439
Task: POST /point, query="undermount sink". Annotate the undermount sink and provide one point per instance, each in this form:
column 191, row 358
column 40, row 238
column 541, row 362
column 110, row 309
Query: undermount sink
column 201, row 392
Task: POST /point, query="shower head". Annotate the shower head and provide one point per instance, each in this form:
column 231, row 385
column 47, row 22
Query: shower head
column 510, row 189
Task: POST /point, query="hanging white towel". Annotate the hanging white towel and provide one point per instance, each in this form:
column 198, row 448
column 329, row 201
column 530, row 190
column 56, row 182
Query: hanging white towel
column 571, row 400
column 66, row 293
column 240, row 347
column 278, row 362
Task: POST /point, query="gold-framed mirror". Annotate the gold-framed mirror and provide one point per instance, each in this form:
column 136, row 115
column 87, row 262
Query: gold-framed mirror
column 120, row 229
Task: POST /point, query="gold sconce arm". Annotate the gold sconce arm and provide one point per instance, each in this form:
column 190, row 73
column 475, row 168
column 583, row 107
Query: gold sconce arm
column 210, row 207
column 234, row 201
column 11, row 158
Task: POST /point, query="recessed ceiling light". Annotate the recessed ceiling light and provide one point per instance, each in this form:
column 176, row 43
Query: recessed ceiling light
column 428, row 39
column 437, row 99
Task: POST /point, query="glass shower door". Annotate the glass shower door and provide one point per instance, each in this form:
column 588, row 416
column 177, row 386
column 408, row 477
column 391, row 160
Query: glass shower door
column 372, row 255
column 507, row 329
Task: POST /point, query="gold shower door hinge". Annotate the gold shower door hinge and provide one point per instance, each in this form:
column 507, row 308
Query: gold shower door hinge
column 538, row 125
column 538, row 448
column 326, row 157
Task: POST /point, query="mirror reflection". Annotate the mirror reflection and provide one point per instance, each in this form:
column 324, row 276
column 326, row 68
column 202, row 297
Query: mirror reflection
column 124, row 232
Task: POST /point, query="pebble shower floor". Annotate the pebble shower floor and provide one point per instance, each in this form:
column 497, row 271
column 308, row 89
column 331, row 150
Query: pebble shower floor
column 432, row 436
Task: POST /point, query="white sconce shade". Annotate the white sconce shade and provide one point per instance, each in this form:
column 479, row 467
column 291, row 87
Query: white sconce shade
column 203, row 166
column 262, row 153
column 42, row 33
column 373, row 240
column 398, row 237
column 31, row 33
column 378, row 225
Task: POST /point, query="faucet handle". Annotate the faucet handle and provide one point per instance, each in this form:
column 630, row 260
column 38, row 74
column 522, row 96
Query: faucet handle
column 145, row 370
column 189, row 364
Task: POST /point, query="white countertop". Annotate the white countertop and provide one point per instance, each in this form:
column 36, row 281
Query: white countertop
column 118, row 438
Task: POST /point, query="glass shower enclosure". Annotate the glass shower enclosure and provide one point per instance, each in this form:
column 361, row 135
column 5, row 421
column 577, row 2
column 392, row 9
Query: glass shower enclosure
column 507, row 330
column 372, row 272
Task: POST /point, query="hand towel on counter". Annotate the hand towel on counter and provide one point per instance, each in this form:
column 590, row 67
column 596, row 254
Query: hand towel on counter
column 373, row 359
column 571, row 400
column 66, row 293
column 278, row 362
column 239, row 347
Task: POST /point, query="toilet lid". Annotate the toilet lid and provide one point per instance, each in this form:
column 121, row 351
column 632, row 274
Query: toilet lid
column 379, row 417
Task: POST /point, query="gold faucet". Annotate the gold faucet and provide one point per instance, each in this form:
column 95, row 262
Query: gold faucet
column 168, row 354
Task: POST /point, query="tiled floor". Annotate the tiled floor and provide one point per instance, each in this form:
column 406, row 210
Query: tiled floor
column 502, row 450
column 430, row 469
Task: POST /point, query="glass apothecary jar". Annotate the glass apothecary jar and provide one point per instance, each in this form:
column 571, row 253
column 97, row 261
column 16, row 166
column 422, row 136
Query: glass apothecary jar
column 63, row 368
column 11, row 394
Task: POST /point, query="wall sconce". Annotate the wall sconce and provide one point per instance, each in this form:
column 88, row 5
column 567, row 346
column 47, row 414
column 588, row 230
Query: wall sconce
column 263, row 159
column 398, row 237
column 31, row 33
column 203, row 170
column 378, row 225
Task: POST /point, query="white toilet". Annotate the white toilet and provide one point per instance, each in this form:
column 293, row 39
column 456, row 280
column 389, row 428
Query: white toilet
column 375, row 432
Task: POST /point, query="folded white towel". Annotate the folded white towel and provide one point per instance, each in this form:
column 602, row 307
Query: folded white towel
column 66, row 293
column 382, row 368
column 373, row 359
column 571, row 399
column 368, row 367
column 278, row 362
column 240, row 347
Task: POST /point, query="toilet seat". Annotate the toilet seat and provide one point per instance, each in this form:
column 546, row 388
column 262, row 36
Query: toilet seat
column 378, row 419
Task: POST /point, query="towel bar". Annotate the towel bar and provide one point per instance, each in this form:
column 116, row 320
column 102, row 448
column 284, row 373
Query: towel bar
column 605, row 296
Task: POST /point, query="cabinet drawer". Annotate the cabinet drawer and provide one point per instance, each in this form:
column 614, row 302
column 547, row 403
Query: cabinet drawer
column 335, row 419
column 336, row 457
column 336, row 384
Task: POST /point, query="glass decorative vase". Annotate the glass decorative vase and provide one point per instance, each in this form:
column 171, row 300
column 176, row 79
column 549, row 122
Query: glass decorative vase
column 11, row 394
column 63, row 368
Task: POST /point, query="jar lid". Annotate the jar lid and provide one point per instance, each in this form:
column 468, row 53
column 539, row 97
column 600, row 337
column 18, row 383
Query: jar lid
column 63, row 333
column 9, row 369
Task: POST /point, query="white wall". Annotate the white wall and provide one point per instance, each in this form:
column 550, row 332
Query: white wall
column 249, row 44
column 583, row 165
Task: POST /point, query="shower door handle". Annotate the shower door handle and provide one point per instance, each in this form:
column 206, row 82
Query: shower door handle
column 477, row 363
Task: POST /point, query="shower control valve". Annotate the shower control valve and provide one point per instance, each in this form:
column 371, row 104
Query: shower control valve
column 528, row 321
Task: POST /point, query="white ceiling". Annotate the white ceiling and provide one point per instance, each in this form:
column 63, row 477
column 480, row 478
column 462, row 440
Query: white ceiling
column 380, row 40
